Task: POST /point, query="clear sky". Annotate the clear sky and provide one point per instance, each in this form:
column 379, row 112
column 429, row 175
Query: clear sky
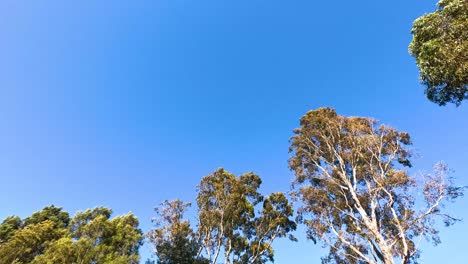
column 127, row 103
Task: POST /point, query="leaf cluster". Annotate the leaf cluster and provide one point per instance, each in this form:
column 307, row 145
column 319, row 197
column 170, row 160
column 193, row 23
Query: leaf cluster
column 440, row 46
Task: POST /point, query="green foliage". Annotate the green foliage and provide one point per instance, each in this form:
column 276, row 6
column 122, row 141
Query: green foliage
column 22, row 241
column 441, row 50
column 29, row 242
column 52, row 213
column 50, row 237
column 228, row 225
column 180, row 250
column 8, row 227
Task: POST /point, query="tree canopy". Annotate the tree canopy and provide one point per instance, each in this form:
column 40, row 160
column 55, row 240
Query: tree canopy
column 50, row 236
column 357, row 197
column 235, row 223
column 441, row 50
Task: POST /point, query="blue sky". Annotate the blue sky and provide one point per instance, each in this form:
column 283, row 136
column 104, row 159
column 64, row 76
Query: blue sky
column 127, row 103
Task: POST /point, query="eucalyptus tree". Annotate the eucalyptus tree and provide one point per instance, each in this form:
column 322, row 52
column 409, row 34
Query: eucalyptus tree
column 440, row 46
column 235, row 223
column 356, row 194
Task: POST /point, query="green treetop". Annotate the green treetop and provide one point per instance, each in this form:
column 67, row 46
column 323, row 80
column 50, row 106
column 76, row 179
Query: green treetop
column 441, row 50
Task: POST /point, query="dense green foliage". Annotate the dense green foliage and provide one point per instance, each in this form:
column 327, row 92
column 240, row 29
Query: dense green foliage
column 441, row 50
column 51, row 237
column 8, row 227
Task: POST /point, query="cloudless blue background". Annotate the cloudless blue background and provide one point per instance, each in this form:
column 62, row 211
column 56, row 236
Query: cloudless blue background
column 127, row 103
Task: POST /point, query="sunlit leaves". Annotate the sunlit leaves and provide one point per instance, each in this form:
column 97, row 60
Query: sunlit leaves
column 441, row 50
